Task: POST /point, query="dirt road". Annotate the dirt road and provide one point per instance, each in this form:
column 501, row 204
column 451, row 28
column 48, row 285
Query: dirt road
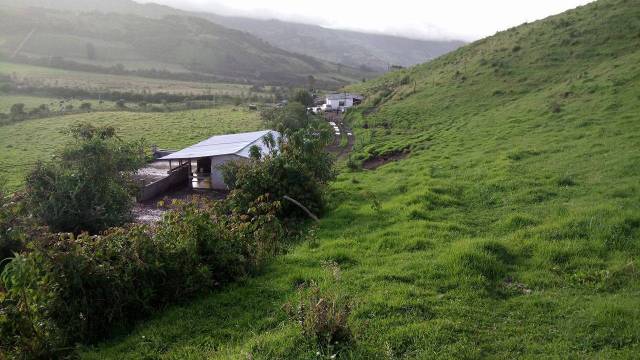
column 335, row 119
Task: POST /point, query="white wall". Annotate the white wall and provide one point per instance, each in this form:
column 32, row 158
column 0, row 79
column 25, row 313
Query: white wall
column 259, row 143
column 217, row 181
column 335, row 104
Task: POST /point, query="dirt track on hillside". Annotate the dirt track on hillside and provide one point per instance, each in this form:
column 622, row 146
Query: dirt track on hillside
column 341, row 152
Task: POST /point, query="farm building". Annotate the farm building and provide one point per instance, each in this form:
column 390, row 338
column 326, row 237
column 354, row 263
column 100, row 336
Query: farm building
column 204, row 158
column 342, row 101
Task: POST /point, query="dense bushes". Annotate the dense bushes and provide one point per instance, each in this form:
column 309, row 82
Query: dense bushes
column 299, row 167
column 303, row 97
column 289, row 118
column 11, row 220
column 88, row 187
column 71, row 289
column 65, row 289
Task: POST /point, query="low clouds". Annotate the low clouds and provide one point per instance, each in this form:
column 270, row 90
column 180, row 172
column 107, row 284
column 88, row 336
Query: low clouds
column 463, row 19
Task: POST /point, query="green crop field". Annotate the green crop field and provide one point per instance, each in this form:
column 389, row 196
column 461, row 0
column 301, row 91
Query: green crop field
column 511, row 230
column 48, row 77
column 24, row 143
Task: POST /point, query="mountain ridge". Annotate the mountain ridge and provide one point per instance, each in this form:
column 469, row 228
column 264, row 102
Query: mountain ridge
column 351, row 48
column 173, row 42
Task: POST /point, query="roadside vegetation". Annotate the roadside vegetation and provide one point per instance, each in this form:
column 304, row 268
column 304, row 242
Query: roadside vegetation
column 508, row 230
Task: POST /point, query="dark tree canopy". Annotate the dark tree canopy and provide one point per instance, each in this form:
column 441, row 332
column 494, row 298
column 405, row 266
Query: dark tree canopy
column 303, row 97
column 88, row 186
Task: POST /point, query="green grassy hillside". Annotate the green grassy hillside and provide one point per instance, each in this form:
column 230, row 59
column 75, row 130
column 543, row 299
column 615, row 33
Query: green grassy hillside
column 510, row 230
column 24, row 143
column 179, row 44
column 338, row 46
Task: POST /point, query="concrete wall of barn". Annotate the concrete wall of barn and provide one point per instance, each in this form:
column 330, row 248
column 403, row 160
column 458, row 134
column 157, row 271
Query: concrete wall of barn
column 217, row 181
column 175, row 180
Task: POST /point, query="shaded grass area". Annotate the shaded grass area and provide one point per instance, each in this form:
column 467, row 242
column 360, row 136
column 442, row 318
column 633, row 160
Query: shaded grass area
column 512, row 230
column 24, row 143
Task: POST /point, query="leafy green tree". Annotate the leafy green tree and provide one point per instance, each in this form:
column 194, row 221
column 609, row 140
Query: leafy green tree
column 16, row 111
column 299, row 167
column 291, row 117
column 303, row 97
column 255, row 152
column 88, row 187
column 85, row 106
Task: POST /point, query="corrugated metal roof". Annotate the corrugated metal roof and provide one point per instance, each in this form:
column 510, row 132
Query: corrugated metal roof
column 219, row 145
column 342, row 96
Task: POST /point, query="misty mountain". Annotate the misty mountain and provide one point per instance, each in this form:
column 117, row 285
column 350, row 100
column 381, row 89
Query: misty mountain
column 350, row 48
column 174, row 43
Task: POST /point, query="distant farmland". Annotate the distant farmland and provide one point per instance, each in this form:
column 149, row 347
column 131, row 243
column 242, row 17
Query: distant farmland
column 53, row 103
column 23, row 144
column 42, row 77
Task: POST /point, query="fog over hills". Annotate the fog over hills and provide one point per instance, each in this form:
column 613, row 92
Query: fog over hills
column 351, row 48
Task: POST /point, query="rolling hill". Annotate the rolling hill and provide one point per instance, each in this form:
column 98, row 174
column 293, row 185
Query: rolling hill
column 508, row 227
column 174, row 43
column 350, row 48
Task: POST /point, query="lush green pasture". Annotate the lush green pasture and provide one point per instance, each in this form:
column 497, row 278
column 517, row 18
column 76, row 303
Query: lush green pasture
column 54, row 104
column 48, row 77
column 24, row 143
column 512, row 230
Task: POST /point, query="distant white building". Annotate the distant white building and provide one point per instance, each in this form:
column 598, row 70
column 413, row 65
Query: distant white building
column 341, row 101
column 208, row 155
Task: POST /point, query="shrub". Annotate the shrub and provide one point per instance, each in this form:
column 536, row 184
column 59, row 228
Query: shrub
column 11, row 223
column 323, row 317
column 303, row 97
column 300, row 170
column 72, row 289
column 277, row 177
column 85, row 106
column 89, row 187
column 16, row 112
column 291, row 117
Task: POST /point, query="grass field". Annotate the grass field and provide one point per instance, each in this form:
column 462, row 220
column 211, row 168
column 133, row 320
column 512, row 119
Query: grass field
column 24, row 143
column 512, row 230
column 53, row 103
column 48, row 77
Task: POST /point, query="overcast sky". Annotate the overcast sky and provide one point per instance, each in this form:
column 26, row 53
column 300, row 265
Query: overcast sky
column 463, row 19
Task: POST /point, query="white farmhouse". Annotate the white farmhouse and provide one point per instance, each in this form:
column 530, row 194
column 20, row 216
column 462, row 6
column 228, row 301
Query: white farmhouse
column 341, row 101
column 208, row 155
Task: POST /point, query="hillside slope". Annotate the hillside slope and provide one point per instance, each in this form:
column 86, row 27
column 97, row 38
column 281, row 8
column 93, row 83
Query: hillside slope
column 350, row 48
column 510, row 230
column 341, row 46
column 175, row 43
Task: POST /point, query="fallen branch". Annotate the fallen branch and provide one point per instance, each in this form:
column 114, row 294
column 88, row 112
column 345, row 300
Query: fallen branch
column 311, row 215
